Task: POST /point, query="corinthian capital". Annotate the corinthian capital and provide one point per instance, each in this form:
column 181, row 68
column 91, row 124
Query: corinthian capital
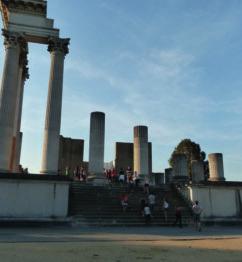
column 12, row 39
column 59, row 44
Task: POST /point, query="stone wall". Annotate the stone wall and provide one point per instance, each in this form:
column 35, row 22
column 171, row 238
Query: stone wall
column 70, row 154
column 35, row 199
column 218, row 201
column 124, row 155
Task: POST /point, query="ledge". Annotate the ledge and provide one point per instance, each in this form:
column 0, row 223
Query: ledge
column 220, row 183
column 38, row 177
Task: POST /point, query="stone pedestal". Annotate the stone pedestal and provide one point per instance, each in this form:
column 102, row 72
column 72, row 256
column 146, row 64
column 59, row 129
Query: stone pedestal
column 141, row 158
column 96, row 145
column 58, row 48
column 8, row 97
column 216, row 168
column 197, row 168
column 168, row 175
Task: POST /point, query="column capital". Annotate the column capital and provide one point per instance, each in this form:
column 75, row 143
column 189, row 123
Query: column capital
column 12, row 39
column 59, row 44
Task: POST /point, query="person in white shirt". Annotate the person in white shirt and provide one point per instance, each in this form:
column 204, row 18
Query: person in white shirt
column 147, row 214
column 151, row 201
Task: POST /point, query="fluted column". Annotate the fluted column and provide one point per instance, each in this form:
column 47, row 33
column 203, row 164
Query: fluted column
column 8, row 96
column 17, row 136
column 216, row 167
column 96, row 143
column 58, row 48
column 141, row 158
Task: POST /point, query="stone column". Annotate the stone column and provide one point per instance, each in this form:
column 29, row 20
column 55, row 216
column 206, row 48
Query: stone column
column 17, row 135
column 168, row 175
column 8, row 96
column 216, row 167
column 58, row 48
column 197, row 168
column 96, row 144
column 180, row 167
column 141, row 158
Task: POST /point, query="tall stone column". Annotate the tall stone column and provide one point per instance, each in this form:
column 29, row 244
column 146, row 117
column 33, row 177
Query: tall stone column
column 8, row 96
column 58, row 48
column 216, row 167
column 141, row 157
column 17, row 138
column 96, row 144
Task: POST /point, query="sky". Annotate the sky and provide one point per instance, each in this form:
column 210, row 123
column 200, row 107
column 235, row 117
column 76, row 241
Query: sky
column 173, row 65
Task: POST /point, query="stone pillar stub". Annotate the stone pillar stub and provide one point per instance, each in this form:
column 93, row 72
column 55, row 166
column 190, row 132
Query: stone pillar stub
column 180, row 167
column 58, row 48
column 216, row 168
column 141, row 158
column 8, row 96
column 96, row 144
column 168, row 175
column 197, row 168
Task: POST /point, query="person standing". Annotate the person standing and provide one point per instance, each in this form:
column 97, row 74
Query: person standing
column 178, row 214
column 165, row 209
column 197, row 210
column 151, row 201
column 147, row 214
column 146, row 187
column 121, row 176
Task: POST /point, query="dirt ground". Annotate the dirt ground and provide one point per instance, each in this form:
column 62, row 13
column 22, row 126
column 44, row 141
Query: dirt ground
column 214, row 250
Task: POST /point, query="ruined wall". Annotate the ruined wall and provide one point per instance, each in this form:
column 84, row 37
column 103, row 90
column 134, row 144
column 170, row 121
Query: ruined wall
column 124, row 155
column 218, row 201
column 70, row 154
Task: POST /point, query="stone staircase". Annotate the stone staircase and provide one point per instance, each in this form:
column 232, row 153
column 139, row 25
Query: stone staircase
column 100, row 206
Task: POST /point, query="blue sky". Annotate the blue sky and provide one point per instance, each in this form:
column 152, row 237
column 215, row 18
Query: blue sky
column 174, row 65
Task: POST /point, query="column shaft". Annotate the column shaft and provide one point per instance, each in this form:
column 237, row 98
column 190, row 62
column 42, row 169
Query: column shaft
column 17, row 134
column 8, row 98
column 141, row 158
column 53, row 113
column 96, row 143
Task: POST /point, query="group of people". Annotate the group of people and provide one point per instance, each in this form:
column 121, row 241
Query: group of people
column 79, row 173
column 147, row 208
column 122, row 177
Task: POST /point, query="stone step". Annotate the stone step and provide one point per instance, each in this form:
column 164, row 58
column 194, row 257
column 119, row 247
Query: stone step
column 100, row 206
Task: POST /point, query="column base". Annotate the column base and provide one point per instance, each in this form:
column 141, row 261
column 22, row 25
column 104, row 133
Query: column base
column 222, row 179
column 51, row 173
column 100, row 181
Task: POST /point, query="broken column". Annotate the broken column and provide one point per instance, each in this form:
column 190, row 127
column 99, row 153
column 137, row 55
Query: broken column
column 141, row 159
column 96, row 144
column 216, row 167
column 168, row 175
column 180, row 167
column 197, row 168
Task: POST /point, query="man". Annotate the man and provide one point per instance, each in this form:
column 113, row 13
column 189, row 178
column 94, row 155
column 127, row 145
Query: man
column 197, row 210
column 151, row 201
column 165, row 209
column 178, row 213
column 147, row 214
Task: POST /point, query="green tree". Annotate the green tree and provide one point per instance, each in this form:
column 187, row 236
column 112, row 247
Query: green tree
column 191, row 149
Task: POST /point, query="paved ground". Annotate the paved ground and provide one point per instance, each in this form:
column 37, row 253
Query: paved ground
column 120, row 244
